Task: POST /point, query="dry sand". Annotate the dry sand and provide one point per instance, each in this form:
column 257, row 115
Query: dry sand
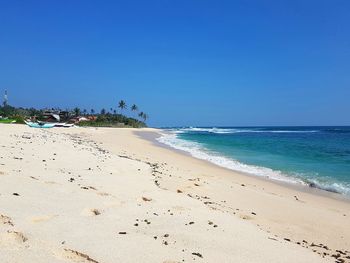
column 107, row 195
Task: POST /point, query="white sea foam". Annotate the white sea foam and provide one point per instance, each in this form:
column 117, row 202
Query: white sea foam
column 336, row 187
column 199, row 151
column 237, row 130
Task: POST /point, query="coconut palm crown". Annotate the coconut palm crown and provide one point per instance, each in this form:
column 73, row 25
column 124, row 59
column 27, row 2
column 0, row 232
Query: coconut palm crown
column 122, row 105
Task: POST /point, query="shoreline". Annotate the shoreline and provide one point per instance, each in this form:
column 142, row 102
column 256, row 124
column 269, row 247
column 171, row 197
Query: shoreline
column 257, row 193
column 75, row 195
column 153, row 135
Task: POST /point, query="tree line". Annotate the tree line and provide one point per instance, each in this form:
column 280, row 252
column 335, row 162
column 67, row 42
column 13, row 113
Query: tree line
column 122, row 106
column 104, row 118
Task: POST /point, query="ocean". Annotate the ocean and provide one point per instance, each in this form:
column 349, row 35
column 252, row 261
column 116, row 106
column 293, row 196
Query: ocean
column 314, row 156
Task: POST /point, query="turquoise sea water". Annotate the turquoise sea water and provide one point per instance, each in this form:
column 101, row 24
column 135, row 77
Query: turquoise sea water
column 317, row 156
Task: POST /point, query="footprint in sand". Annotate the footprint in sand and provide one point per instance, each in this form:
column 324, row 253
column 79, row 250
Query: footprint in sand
column 44, row 218
column 77, row 256
column 6, row 220
column 12, row 237
column 246, row 217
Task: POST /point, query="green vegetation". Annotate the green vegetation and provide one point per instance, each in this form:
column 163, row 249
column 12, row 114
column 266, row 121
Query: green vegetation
column 143, row 115
column 9, row 114
column 109, row 120
column 7, row 121
column 122, row 106
column 104, row 119
column 112, row 119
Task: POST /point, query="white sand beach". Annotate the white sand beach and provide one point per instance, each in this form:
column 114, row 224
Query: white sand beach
column 108, row 195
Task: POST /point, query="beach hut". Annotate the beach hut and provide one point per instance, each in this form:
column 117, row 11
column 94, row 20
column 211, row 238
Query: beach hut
column 51, row 117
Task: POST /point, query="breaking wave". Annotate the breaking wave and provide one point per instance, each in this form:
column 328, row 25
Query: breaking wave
column 198, row 151
column 237, row 130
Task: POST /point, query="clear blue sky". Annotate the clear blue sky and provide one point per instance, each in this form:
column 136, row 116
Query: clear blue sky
column 184, row 62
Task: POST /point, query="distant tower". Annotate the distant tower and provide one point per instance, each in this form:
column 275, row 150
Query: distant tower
column 5, row 99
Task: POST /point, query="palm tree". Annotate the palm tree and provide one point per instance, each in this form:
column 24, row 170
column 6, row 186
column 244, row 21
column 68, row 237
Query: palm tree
column 134, row 108
column 122, row 105
column 85, row 111
column 76, row 111
column 32, row 112
column 103, row 112
column 141, row 114
column 145, row 117
column 92, row 111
